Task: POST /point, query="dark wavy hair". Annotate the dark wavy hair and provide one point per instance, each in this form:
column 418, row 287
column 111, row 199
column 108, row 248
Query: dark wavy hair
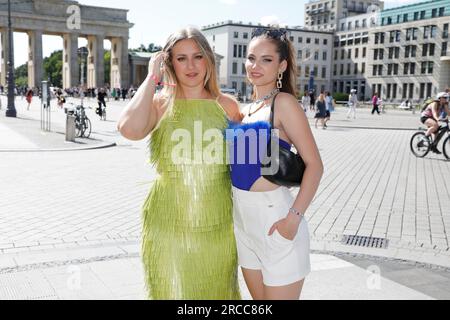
column 285, row 50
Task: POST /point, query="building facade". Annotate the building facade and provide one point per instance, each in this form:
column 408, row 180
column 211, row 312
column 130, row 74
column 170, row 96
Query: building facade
column 326, row 14
column 312, row 51
column 408, row 52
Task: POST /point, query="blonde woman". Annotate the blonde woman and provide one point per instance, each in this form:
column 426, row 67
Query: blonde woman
column 188, row 247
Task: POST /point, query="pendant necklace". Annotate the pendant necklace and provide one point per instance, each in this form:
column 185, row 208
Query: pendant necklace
column 267, row 97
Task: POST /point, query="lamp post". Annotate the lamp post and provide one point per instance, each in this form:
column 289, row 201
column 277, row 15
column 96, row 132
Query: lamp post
column 11, row 109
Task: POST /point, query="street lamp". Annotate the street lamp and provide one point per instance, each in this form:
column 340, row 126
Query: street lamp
column 11, row 109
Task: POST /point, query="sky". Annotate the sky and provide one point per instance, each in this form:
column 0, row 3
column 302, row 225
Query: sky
column 154, row 20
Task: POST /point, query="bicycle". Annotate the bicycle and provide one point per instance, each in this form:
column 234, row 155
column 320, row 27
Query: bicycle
column 103, row 110
column 421, row 145
column 83, row 125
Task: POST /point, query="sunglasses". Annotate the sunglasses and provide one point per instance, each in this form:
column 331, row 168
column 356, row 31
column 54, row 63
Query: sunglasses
column 273, row 33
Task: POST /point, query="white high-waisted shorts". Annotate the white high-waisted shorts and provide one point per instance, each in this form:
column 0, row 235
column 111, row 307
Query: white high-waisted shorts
column 282, row 262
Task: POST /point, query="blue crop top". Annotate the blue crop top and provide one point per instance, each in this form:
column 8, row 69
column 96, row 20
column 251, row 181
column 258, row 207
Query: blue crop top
column 247, row 146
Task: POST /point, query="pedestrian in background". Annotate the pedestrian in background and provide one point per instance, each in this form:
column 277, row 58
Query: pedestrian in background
column 352, row 104
column 375, row 104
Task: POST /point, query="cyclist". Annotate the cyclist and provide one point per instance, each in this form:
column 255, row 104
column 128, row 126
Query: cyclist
column 432, row 114
column 101, row 102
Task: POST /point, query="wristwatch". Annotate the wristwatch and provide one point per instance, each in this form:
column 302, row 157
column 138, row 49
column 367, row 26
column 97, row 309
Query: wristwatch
column 296, row 212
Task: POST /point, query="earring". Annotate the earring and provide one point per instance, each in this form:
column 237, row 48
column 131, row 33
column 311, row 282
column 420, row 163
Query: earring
column 280, row 80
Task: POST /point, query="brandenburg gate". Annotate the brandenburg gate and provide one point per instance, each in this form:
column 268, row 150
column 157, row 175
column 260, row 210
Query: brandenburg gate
column 71, row 21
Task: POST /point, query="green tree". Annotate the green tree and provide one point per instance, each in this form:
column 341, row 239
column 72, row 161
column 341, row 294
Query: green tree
column 21, row 75
column 107, row 60
column 53, row 68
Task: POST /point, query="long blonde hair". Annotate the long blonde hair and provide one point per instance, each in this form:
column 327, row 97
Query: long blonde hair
column 211, row 84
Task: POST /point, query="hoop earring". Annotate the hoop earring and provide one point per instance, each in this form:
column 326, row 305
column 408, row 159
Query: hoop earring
column 280, row 80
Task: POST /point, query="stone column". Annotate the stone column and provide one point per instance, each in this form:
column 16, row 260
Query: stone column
column 119, row 63
column 35, row 59
column 96, row 64
column 71, row 72
column 4, row 56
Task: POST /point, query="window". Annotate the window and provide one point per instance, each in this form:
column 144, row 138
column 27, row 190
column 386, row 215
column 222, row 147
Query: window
column 245, row 51
column 397, row 35
column 324, row 73
column 408, row 34
column 316, row 55
column 356, row 53
column 397, row 52
column 364, row 52
column 413, row 51
column 243, row 69
column 299, row 54
column 299, row 71
column 235, row 51
column 407, row 51
column 234, row 85
column 325, row 42
column 308, row 40
column 355, row 71
column 374, row 71
column 349, row 68
column 389, row 20
column 411, row 90
column 434, row 13
column 422, row 91
column 433, row 32
column 364, row 23
column 394, row 91
column 356, row 24
column 380, row 70
column 405, row 17
column 444, row 49
column 405, row 68
column 391, row 52
column 308, row 53
column 423, row 68
column 415, row 32
column 381, row 54
column 300, row 39
column 412, row 68
column 431, row 49
column 316, row 41
column 315, row 71
column 396, row 69
column 245, row 36
column 342, row 26
column 405, row 91
column 349, row 25
column 342, row 54
column 307, row 73
column 375, row 54
column 425, row 50
column 416, row 16
column 291, row 38
column 429, row 87
column 349, row 54
column 430, row 67
column 335, row 54
column 441, row 12
column 389, row 71
column 341, row 71
column 398, row 18
column 240, row 51
column 335, row 70
column 235, row 67
column 422, row 14
column 357, row 40
column 388, row 90
column 236, row 35
column 445, row 31
column 324, row 56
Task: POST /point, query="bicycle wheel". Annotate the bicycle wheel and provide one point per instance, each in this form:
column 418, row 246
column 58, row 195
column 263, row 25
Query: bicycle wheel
column 420, row 145
column 78, row 129
column 87, row 128
column 446, row 148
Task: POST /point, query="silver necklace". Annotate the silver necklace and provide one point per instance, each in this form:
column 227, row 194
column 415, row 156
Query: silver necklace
column 263, row 99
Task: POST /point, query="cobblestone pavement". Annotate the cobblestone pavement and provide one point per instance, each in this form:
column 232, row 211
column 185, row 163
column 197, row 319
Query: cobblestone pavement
column 373, row 186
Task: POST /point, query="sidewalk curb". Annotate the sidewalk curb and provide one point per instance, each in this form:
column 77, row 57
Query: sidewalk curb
column 102, row 146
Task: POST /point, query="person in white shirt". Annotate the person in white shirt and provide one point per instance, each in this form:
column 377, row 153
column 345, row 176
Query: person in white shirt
column 306, row 102
column 352, row 103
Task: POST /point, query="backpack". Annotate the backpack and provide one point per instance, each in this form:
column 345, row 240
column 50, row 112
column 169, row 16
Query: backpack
column 426, row 104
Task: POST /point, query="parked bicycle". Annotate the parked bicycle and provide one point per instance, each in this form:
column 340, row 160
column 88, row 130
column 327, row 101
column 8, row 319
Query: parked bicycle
column 83, row 125
column 421, row 145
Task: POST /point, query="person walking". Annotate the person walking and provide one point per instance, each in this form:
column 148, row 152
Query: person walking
column 352, row 104
column 306, row 102
column 375, row 103
column 29, row 98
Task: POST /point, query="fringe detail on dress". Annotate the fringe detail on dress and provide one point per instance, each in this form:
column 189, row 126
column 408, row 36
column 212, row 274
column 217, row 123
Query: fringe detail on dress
column 188, row 246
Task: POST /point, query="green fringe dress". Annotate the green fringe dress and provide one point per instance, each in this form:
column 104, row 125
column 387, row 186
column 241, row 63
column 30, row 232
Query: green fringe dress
column 188, row 245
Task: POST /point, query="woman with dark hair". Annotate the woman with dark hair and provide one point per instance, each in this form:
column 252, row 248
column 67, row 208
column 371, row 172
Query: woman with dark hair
column 271, row 230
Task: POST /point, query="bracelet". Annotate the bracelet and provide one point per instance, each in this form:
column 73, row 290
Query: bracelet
column 296, row 212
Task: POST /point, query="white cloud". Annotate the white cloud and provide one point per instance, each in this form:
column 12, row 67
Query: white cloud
column 229, row 2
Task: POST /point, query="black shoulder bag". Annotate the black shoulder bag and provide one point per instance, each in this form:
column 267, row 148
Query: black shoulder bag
column 290, row 165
